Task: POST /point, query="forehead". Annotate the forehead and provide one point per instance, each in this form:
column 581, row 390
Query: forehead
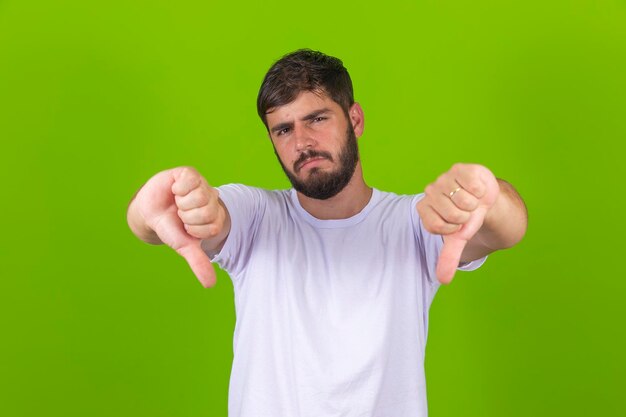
column 304, row 104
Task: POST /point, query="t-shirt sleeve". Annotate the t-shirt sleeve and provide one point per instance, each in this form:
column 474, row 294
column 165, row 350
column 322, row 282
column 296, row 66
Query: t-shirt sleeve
column 246, row 206
column 431, row 244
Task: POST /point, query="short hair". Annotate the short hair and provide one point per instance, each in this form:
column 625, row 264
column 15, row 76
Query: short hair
column 304, row 70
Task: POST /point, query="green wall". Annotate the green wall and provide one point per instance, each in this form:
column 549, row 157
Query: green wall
column 95, row 97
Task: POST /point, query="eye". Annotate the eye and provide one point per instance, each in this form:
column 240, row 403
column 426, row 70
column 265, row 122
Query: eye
column 319, row 119
column 282, row 132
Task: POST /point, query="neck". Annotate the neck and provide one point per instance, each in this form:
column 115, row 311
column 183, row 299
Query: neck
column 350, row 201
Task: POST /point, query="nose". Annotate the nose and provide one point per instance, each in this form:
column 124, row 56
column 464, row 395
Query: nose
column 304, row 137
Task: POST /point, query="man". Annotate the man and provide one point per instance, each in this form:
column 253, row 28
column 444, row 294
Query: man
column 333, row 279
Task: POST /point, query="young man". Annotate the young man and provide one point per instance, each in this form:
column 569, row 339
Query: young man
column 333, row 279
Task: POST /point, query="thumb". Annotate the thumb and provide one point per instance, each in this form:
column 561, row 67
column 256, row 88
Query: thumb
column 199, row 262
column 453, row 245
column 449, row 258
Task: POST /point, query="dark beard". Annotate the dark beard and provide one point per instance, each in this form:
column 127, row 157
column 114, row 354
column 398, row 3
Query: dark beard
column 324, row 185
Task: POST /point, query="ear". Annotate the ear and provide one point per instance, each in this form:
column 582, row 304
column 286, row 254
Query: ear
column 357, row 119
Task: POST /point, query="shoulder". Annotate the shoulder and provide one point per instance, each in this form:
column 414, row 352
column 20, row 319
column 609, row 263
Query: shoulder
column 399, row 209
column 253, row 201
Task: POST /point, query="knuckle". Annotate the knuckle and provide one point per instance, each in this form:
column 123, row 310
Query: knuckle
column 183, row 203
column 191, row 175
column 206, row 216
column 460, row 199
column 458, row 217
column 188, row 170
column 201, row 199
column 476, row 188
column 439, row 226
column 436, row 225
column 184, row 216
column 213, row 230
column 467, row 203
column 429, row 228
column 451, row 216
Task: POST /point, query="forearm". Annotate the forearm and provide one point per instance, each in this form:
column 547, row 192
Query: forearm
column 506, row 221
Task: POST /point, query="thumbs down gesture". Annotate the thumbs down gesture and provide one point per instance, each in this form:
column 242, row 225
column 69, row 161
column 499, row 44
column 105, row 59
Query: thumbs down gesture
column 456, row 206
column 179, row 208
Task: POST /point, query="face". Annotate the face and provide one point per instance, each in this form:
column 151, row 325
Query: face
column 315, row 144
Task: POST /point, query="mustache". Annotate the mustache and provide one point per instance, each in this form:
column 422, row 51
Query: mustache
column 308, row 154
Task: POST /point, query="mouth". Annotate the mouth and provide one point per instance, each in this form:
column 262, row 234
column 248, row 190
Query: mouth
column 309, row 162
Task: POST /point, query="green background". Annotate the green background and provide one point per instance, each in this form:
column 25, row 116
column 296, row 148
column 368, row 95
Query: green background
column 95, row 97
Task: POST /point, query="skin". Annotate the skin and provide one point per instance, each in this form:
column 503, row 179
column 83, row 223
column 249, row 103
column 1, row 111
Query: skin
column 177, row 207
column 293, row 129
column 475, row 213
column 485, row 214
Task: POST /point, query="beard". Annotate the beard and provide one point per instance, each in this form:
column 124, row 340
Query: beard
column 324, row 185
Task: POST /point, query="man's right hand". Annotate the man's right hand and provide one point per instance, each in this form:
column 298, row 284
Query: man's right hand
column 179, row 208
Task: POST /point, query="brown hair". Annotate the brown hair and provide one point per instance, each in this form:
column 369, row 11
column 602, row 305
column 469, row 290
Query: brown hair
column 304, row 70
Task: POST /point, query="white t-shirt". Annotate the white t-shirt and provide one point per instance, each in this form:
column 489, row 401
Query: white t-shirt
column 332, row 315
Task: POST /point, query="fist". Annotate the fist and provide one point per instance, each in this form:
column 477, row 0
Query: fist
column 198, row 205
column 181, row 209
column 455, row 206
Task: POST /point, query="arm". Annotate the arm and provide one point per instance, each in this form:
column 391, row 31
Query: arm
column 475, row 213
column 179, row 208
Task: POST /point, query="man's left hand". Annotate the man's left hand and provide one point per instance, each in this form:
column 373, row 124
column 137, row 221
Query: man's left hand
column 455, row 206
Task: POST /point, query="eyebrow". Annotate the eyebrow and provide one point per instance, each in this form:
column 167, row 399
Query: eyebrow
column 306, row 118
